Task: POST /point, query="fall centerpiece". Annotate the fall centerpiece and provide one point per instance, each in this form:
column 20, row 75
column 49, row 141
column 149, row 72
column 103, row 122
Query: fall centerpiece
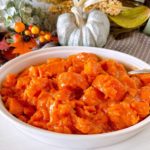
column 26, row 26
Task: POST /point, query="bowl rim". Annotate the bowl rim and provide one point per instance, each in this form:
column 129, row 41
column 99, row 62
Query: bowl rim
column 4, row 112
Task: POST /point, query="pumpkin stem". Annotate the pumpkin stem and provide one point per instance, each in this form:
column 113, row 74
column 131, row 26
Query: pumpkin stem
column 78, row 15
column 75, row 2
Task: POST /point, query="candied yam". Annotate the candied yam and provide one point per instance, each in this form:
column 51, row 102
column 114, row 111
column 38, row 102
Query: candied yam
column 22, row 82
column 101, row 117
column 90, row 109
column 54, row 60
column 137, row 81
column 66, row 121
column 37, row 116
column 142, row 108
column 30, row 100
column 86, row 126
column 60, row 114
column 129, row 84
column 92, row 96
column 10, row 81
column 113, row 68
column 88, row 112
column 64, row 109
column 28, row 111
column 36, row 86
column 78, row 60
column 84, row 57
column 15, row 107
column 53, row 112
column 110, row 86
column 76, row 69
column 65, row 63
column 129, row 98
column 23, row 118
column 51, row 69
column 118, row 70
column 63, row 95
column 78, row 95
column 92, row 68
column 59, row 129
column 145, row 93
column 58, row 111
column 45, row 114
column 83, row 125
column 72, row 80
column 40, row 115
column 40, row 124
column 33, row 71
column 122, row 115
column 6, row 91
column 44, row 100
column 145, row 78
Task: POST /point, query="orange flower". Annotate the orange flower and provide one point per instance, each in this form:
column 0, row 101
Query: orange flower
column 22, row 47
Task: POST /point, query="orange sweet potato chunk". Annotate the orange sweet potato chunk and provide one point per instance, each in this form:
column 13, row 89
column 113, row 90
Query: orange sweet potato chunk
column 10, row 80
column 15, row 106
column 86, row 126
column 137, row 81
column 141, row 107
column 145, row 93
column 113, row 68
column 72, row 80
column 64, row 95
column 23, row 82
column 129, row 84
column 92, row 96
column 92, row 68
column 145, row 78
column 82, row 58
column 110, row 86
column 79, row 60
column 51, row 69
column 35, row 86
column 122, row 115
column 44, row 100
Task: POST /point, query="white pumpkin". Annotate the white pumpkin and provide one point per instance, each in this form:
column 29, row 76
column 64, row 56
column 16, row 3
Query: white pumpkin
column 83, row 29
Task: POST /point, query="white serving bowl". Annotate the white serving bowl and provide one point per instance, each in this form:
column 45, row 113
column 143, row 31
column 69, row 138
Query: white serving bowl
column 64, row 140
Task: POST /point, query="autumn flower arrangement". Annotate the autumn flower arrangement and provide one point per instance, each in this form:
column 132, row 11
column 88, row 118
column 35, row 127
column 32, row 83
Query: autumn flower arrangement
column 27, row 28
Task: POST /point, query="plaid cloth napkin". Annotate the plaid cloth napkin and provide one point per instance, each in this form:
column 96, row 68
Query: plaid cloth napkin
column 134, row 43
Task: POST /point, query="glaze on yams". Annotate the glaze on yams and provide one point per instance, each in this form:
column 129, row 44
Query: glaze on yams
column 81, row 94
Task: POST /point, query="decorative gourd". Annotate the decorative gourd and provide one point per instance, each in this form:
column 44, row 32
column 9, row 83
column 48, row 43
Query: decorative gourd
column 83, row 29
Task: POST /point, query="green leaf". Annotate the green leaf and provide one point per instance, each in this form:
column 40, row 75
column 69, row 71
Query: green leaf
column 10, row 4
column 132, row 17
column 10, row 41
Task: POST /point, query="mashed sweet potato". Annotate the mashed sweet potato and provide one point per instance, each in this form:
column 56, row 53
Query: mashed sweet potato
column 81, row 94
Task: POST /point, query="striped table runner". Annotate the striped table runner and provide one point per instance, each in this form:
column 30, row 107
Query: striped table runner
column 136, row 44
